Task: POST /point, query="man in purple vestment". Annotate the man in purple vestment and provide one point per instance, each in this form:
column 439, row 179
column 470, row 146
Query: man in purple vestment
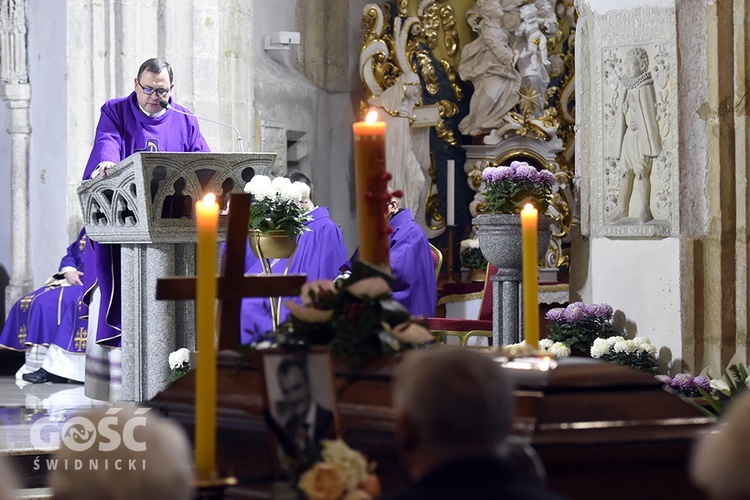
column 128, row 125
column 415, row 286
column 34, row 320
column 319, row 253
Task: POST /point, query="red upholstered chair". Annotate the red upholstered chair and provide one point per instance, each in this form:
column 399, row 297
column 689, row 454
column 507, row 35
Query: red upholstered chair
column 464, row 329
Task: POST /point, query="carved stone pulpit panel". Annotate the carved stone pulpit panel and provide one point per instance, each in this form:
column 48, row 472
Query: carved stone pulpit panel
column 146, row 204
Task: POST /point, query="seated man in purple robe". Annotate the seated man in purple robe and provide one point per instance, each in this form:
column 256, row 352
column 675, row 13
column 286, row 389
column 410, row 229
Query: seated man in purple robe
column 319, row 253
column 412, row 265
column 35, row 320
column 137, row 122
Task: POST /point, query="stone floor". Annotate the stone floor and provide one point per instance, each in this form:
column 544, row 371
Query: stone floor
column 31, row 418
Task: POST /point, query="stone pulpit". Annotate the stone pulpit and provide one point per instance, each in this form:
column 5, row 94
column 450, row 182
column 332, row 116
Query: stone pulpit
column 146, row 204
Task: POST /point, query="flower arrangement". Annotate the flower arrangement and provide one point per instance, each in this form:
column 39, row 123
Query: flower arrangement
column 734, row 380
column 557, row 349
column 358, row 319
column 686, row 384
column 579, row 324
column 341, row 472
column 509, row 188
column 179, row 363
column 471, row 255
column 638, row 353
column 276, row 205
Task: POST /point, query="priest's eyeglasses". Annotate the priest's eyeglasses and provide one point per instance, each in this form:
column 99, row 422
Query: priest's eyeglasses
column 151, row 90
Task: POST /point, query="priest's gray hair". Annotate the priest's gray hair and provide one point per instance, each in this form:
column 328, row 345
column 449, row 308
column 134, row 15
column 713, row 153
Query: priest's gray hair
column 455, row 398
column 154, row 455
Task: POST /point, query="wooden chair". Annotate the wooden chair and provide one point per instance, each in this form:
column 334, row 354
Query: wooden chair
column 465, row 329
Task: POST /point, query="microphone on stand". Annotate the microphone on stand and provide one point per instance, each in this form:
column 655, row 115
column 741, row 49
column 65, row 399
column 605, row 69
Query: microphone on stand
column 165, row 104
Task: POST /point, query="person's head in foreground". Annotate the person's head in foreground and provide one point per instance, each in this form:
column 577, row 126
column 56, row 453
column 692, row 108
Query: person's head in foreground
column 122, row 453
column 720, row 458
column 450, row 403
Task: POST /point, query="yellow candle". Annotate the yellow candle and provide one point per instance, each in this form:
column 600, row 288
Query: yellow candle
column 529, row 216
column 207, row 220
column 372, row 191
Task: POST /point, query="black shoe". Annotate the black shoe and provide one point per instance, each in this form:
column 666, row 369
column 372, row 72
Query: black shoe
column 41, row 376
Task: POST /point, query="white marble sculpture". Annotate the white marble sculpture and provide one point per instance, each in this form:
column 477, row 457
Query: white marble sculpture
column 395, row 107
column 637, row 137
column 529, row 41
column 488, row 63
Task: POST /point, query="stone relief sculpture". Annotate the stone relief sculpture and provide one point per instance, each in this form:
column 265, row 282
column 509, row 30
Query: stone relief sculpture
column 637, row 140
column 488, row 63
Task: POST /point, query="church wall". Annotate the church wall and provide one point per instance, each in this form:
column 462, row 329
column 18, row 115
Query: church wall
column 641, row 281
column 49, row 231
column 5, row 222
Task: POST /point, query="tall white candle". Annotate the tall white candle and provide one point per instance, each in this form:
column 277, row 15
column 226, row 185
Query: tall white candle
column 450, row 193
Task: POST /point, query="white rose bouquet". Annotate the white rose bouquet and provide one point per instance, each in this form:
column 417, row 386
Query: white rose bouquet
column 179, row 363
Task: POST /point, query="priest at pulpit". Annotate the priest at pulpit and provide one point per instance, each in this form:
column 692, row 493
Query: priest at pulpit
column 128, row 124
column 454, row 409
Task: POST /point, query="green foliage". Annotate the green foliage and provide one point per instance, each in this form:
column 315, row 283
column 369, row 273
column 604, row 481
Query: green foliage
column 510, row 195
column 472, row 258
column 643, row 361
column 580, row 335
column 277, row 215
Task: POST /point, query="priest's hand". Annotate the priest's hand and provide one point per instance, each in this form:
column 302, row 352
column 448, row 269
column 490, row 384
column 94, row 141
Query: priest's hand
column 74, row 277
column 101, row 169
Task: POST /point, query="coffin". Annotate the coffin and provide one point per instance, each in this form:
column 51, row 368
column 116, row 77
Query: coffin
column 600, row 430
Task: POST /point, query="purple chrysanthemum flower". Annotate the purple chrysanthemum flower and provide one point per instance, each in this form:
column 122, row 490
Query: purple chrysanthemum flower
column 573, row 314
column 555, row 314
column 683, row 381
column 703, row 383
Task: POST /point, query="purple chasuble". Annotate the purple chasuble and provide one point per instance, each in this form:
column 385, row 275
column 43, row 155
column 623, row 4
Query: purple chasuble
column 412, row 265
column 415, row 286
column 36, row 317
column 123, row 129
column 319, row 254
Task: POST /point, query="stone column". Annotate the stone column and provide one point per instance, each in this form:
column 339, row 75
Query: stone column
column 16, row 92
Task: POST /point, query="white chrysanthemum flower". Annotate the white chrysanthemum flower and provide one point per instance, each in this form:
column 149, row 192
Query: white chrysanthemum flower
column 545, row 344
column 721, row 386
column 179, row 358
column 259, row 186
column 290, row 193
column 651, row 349
column 304, row 190
column 560, row 350
column 626, row 346
column 350, row 463
column 599, row 350
column 611, row 341
column 641, row 341
column 279, row 183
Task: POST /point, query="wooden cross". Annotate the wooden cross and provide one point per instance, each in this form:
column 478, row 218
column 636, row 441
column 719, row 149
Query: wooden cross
column 232, row 285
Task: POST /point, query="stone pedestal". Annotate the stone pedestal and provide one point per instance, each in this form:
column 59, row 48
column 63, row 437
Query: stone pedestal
column 146, row 204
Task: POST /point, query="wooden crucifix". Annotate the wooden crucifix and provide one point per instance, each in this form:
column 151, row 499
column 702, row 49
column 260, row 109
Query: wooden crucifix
column 232, row 285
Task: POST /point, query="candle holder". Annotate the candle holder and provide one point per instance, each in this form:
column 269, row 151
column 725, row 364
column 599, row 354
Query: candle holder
column 449, row 270
column 213, row 488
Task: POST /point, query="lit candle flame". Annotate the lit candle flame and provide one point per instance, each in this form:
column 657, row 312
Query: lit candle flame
column 372, row 117
column 528, row 207
column 209, row 199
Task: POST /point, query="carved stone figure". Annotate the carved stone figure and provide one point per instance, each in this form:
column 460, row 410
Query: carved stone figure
column 538, row 21
column 637, row 137
column 488, row 63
